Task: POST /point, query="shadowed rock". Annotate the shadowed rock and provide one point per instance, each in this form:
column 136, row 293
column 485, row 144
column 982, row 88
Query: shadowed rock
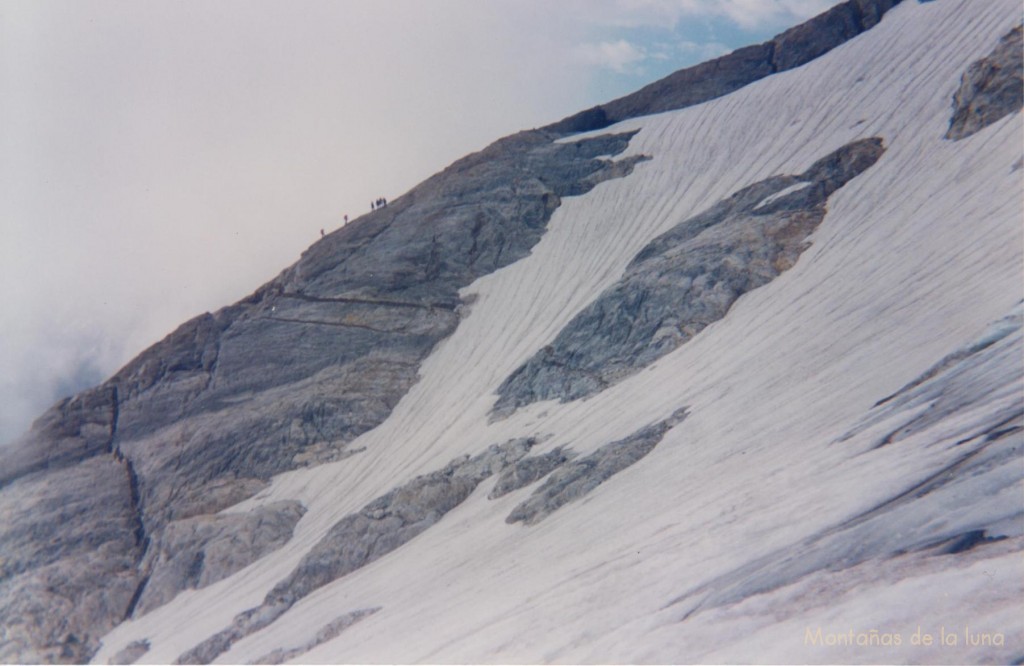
column 73, row 430
column 576, row 479
column 684, row 280
column 991, row 88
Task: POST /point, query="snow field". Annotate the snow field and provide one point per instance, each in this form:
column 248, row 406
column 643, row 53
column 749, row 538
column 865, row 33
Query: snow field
column 916, row 257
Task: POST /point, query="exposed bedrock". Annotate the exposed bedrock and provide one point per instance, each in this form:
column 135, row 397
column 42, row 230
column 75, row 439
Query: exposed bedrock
column 529, row 470
column 285, row 378
column 578, row 478
column 721, row 76
column 991, row 88
column 196, row 552
column 377, row 529
column 684, row 280
column 67, row 562
column 71, row 431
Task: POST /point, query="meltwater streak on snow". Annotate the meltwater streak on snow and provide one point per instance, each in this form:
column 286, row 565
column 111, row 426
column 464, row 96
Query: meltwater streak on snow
column 915, row 258
column 781, row 193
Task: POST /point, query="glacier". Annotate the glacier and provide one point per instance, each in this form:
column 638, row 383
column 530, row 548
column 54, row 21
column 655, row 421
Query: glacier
column 838, row 463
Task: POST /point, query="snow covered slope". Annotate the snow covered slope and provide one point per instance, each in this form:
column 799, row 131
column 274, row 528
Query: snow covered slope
column 794, row 496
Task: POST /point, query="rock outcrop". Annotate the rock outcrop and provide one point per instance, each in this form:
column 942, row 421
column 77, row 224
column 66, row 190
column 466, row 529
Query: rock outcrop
column 990, row 89
column 721, row 76
column 73, row 430
column 380, row 527
column 959, row 382
column 684, row 280
column 529, row 470
column 283, row 379
column 113, row 501
column 198, row 551
column 68, row 563
column 578, row 478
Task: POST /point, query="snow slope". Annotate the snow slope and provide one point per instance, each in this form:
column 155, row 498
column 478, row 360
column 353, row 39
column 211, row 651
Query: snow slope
column 737, row 534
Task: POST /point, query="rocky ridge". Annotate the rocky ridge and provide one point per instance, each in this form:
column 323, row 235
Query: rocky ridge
column 285, row 378
column 116, row 498
column 684, row 280
column 721, row 76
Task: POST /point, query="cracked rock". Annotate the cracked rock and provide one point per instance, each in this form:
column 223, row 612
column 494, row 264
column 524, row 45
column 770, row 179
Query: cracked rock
column 199, row 551
column 991, row 88
column 578, row 478
column 380, row 527
column 684, row 280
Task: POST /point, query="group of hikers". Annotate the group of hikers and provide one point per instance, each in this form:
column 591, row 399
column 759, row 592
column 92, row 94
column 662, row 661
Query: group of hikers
column 322, row 231
column 374, row 205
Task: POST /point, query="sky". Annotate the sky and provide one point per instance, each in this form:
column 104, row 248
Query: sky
column 163, row 159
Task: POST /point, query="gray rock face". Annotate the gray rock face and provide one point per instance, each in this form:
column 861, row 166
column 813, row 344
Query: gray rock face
column 330, row 631
column 380, row 527
column 62, row 531
column 576, row 479
column 285, row 378
column 684, row 280
column 196, row 552
column 289, row 377
column 71, row 431
column 323, row 353
column 990, row 89
column 528, row 470
column 721, row 76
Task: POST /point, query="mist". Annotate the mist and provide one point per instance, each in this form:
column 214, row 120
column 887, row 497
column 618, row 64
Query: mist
column 159, row 160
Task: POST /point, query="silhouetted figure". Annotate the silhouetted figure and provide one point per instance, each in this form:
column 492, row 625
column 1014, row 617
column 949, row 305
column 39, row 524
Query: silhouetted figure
column 346, row 219
column 321, row 233
column 373, row 205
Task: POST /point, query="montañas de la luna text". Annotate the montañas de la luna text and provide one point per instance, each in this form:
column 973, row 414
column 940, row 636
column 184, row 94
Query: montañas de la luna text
column 876, row 638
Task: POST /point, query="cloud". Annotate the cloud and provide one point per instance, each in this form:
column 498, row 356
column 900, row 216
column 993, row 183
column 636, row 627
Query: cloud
column 749, row 14
column 619, row 56
column 702, row 50
column 162, row 159
column 745, row 14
